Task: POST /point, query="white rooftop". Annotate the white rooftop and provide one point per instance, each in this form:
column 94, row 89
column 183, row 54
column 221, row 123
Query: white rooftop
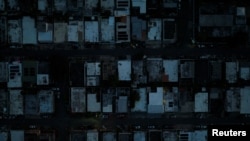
column 42, row 79
column 42, row 5
column 78, row 100
column 232, row 102
column 231, row 71
column 93, row 69
column 140, row 136
column 93, row 104
column 75, row 31
column 124, row 70
column 171, row 70
column 17, row 135
column 109, row 136
column 29, row 30
column 108, row 29
column 245, row 100
column 92, row 136
column 3, row 136
column 14, row 31
column 15, row 75
column 154, row 29
column 91, row 31
column 141, row 105
column 60, row 32
column 46, row 101
column 140, row 3
column 155, row 104
column 201, row 102
column 16, row 102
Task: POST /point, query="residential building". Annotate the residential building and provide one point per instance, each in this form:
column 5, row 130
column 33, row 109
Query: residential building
column 29, row 30
column 60, row 32
column 76, row 74
column 201, row 102
column 155, row 135
column 46, row 102
column 75, row 31
column 125, row 136
column 16, row 135
column 42, row 5
column 170, row 136
column 232, row 72
column 3, row 72
column 139, row 75
column 3, row 28
column 244, row 70
column 78, row 99
column 124, row 70
column 31, row 104
column 171, row 100
column 123, row 94
column 44, row 29
column 2, row 5
column 169, row 30
column 90, row 6
column 155, row 104
column 60, row 5
column 154, row 29
column 43, row 73
column 14, row 75
column 171, row 71
column 91, row 32
column 108, row 29
column 29, row 71
column 139, row 27
column 154, row 69
column 139, row 105
column 77, row 135
column 16, row 103
column 244, row 100
column 109, row 136
column 140, row 4
column 232, row 100
column 187, row 69
column 92, row 135
column 93, row 73
column 108, row 7
column 108, row 96
column 93, row 102
column 140, row 136
column 4, row 136
column 122, row 25
column 14, row 31
column 4, row 101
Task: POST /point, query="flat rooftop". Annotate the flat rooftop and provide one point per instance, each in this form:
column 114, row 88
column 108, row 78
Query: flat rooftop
column 138, row 72
column 200, row 135
column 107, row 100
column 4, row 136
column 171, row 70
column 31, row 104
column 92, row 136
column 3, row 102
column 15, row 75
column 46, row 101
column 232, row 101
column 231, row 71
column 77, row 136
column 108, row 4
column 13, row 5
column 141, row 104
column 169, row 136
column 78, row 100
column 169, row 30
column 29, row 30
column 244, row 100
column 92, row 104
column 245, row 71
column 42, row 5
column 154, row 68
column 60, row 32
column 16, row 102
column 91, row 31
column 142, row 4
column 17, row 135
column 187, row 69
column 140, row 136
column 14, row 31
column 2, row 5
column 3, row 72
column 124, row 70
column 216, row 20
column 155, row 104
column 139, row 28
column 44, row 31
column 60, row 5
column 93, row 68
column 122, row 104
column 109, row 136
column 75, row 31
column 201, row 102
column 154, row 29
column 108, row 29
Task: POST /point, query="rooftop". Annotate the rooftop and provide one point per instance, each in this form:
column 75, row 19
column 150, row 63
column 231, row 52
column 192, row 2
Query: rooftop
column 29, row 30
column 13, row 5
column 169, row 136
column 171, row 100
column 91, row 31
column 89, row 5
column 232, row 101
column 76, row 74
column 42, row 5
column 3, row 102
column 141, row 4
column 3, row 72
column 122, row 26
column 140, row 136
column 125, row 137
column 44, row 31
column 16, row 135
column 139, row 28
column 171, row 70
column 171, row 3
column 109, row 68
column 155, row 104
column 75, row 31
column 216, row 20
column 93, row 103
column 139, row 73
column 108, row 29
column 46, row 101
column 107, row 99
column 200, row 135
column 124, row 70
column 14, row 31
column 92, row 136
column 77, row 136
column 216, row 70
column 245, row 70
column 231, row 71
column 60, row 5
column 169, row 30
column 93, row 68
column 187, row 69
column 78, row 100
column 109, row 136
column 244, row 100
column 201, row 102
column 29, row 71
column 15, row 75
column 16, row 102
column 31, row 104
column 108, row 4
column 141, row 104
column 122, row 104
column 4, row 136
column 154, row 29
column 60, row 32
column 155, row 135
column 154, row 68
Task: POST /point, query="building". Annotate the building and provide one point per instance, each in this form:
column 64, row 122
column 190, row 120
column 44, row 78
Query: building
column 141, row 104
column 108, row 7
column 122, row 104
column 170, row 136
column 43, row 73
column 29, row 30
column 109, row 136
column 244, row 70
column 155, row 104
column 171, row 100
column 108, row 96
column 42, row 5
column 171, row 71
column 169, row 30
column 154, row 69
column 232, row 100
column 109, row 68
column 75, row 31
column 93, row 73
column 122, row 24
column 187, row 69
column 108, row 29
column 93, row 102
column 244, row 100
column 140, row 136
column 201, row 102
column 4, row 136
column 125, row 136
column 155, row 29
column 78, row 99
column 17, row 135
column 14, row 31
column 92, row 135
column 2, row 5
column 124, row 70
column 13, row 5
column 44, row 29
column 14, row 75
column 91, row 32
column 3, row 28
column 31, row 104
column 140, row 4
column 60, row 5
column 77, row 135
column 90, row 6
column 29, row 71
column 60, row 32
column 139, row 26
column 16, row 103
column 3, row 102
column 46, row 101
column 232, row 72
column 3, row 72
column 76, row 74
column 216, row 70
column 139, row 75
column 155, row 135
